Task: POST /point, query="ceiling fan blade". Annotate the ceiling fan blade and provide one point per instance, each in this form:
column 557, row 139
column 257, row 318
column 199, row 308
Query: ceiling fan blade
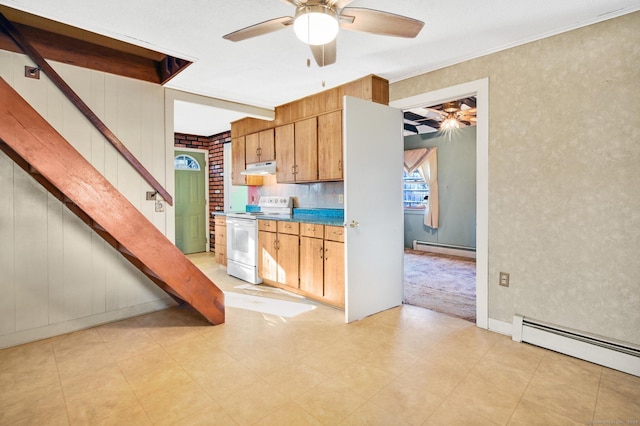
column 260, row 29
column 379, row 22
column 339, row 4
column 437, row 111
column 324, row 54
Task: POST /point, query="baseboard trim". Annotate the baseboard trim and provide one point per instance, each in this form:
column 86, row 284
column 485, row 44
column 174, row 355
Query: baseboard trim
column 27, row 336
column 443, row 249
column 501, row 327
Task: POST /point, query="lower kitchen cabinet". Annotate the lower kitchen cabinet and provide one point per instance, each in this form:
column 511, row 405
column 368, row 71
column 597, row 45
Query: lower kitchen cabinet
column 322, row 263
column 221, row 240
column 288, row 251
column 267, row 255
column 334, row 281
column 305, row 258
column 312, row 265
column 334, row 273
column 278, row 253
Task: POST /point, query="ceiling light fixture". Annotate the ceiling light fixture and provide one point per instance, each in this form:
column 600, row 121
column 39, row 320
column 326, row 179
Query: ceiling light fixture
column 450, row 123
column 316, row 24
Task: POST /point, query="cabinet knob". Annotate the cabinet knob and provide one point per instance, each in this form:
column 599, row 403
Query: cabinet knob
column 354, row 224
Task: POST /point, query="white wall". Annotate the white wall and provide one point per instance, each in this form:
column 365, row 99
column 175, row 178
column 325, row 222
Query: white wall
column 56, row 274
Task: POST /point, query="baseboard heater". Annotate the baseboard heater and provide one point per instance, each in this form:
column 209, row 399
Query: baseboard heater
column 620, row 356
column 449, row 249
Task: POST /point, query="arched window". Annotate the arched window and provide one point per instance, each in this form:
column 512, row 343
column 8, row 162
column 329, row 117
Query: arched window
column 186, row 162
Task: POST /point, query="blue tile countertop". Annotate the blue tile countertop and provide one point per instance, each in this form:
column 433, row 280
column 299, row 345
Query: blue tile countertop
column 333, row 217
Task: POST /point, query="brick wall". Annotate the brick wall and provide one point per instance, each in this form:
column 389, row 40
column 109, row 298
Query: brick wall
column 215, row 145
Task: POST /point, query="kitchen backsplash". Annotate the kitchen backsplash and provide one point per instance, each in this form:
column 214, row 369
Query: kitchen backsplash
column 306, row 195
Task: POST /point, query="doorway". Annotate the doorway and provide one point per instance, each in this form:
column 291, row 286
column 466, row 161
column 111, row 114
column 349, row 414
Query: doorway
column 191, row 200
column 440, row 213
column 479, row 89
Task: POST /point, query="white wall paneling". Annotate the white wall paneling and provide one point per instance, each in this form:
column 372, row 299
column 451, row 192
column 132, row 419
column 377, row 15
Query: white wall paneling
column 56, row 274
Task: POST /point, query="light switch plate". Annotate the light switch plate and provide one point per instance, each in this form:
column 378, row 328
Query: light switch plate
column 504, row 279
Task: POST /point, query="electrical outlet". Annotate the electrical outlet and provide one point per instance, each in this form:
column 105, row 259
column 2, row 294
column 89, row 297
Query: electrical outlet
column 504, row 279
column 340, row 198
column 159, row 206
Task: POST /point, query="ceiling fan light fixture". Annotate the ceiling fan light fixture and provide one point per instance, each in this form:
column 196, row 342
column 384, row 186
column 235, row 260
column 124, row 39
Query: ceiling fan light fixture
column 450, row 123
column 316, row 25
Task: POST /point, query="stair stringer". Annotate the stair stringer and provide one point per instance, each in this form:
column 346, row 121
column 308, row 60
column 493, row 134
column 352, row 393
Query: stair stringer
column 27, row 138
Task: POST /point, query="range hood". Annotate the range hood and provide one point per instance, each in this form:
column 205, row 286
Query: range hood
column 260, row 169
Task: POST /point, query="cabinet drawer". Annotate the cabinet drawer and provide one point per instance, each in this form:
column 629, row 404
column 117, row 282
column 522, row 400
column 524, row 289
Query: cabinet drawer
column 289, row 228
column 221, row 249
column 311, row 230
column 221, row 232
column 334, row 233
column 220, row 220
column 267, row 225
column 221, row 258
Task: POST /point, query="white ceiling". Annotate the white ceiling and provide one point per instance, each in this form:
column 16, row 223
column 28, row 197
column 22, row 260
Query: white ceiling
column 272, row 69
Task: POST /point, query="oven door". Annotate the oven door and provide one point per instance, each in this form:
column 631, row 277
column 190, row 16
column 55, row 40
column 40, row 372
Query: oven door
column 242, row 240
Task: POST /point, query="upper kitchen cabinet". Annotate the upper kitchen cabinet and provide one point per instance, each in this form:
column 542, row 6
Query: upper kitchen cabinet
column 330, row 146
column 297, row 147
column 238, row 164
column 371, row 88
column 237, row 161
column 285, row 165
column 306, row 134
column 306, row 150
column 260, row 147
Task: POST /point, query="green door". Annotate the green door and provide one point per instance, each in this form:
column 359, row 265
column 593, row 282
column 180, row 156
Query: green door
column 191, row 209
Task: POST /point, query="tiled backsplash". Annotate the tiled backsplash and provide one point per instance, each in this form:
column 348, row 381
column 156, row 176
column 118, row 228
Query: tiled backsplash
column 306, row 195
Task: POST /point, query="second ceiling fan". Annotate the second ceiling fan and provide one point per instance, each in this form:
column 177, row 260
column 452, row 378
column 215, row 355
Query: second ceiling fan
column 316, row 22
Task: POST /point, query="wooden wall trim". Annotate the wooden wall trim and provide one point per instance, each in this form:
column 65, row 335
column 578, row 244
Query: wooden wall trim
column 37, row 58
column 74, row 46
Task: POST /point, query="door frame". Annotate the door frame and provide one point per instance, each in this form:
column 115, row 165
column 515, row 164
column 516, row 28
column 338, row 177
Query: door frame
column 479, row 89
column 207, row 213
column 170, row 97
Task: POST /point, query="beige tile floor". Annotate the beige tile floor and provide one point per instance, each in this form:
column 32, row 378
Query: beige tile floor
column 405, row 366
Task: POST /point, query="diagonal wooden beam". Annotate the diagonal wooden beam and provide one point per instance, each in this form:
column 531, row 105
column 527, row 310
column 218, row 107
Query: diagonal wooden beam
column 42, row 63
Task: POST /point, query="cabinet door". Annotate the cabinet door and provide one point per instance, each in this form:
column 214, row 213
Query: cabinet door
column 237, row 161
column 260, row 147
column 252, row 148
column 306, row 150
column 267, row 150
column 288, row 261
column 267, row 256
column 330, row 146
column 334, row 273
column 286, row 154
column 311, row 265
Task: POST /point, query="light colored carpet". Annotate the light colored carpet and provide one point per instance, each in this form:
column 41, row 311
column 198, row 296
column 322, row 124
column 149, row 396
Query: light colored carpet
column 444, row 284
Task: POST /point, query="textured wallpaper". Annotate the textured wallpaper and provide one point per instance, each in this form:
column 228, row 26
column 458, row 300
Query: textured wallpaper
column 564, row 175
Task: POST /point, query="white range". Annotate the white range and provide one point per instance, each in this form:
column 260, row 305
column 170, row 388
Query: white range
column 242, row 236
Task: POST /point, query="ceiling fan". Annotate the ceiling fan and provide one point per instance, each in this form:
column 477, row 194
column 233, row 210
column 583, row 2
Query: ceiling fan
column 453, row 114
column 316, row 22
